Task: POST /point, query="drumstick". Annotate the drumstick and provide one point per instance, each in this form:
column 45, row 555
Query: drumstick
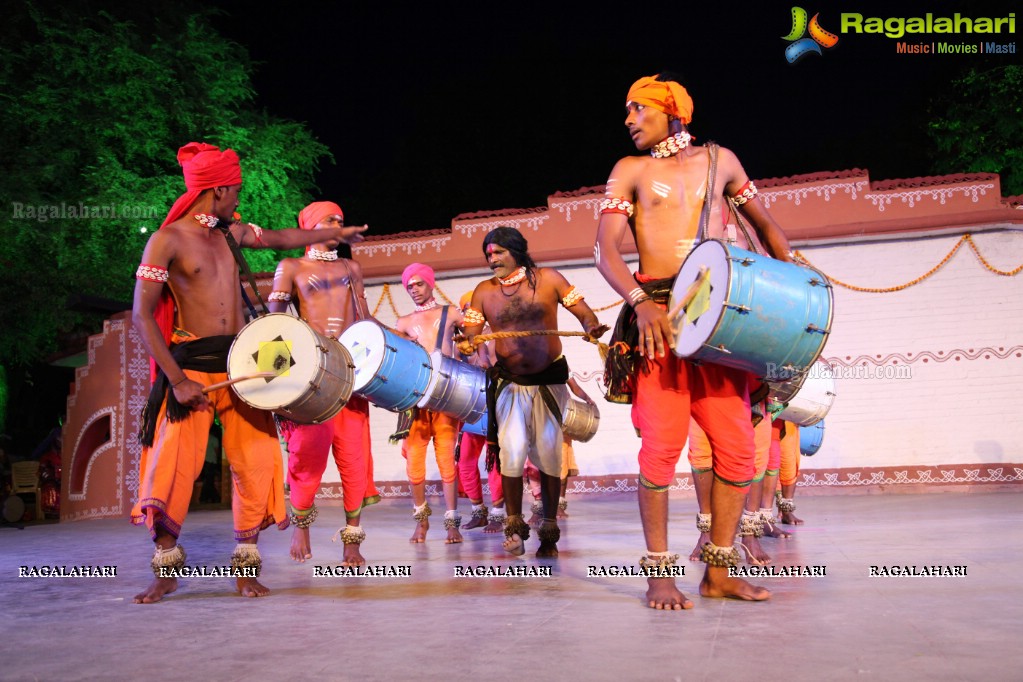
column 224, row 384
column 694, row 288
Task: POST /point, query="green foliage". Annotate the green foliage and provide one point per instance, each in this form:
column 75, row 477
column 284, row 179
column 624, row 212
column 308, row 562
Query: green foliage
column 978, row 126
column 93, row 108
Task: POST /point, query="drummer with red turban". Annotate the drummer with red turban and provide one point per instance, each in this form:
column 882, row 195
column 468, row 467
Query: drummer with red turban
column 187, row 310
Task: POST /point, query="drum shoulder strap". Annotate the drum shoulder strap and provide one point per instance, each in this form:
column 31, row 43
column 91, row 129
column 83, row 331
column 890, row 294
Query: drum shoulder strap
column 708, row 199
column 441, row 328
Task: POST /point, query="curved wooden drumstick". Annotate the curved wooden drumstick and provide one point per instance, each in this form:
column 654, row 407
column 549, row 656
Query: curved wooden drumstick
column 694, row 288
column 223, row 384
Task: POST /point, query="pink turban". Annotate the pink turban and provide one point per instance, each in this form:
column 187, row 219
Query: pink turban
column 311, row 215
column 666, row 96
column 204, row 167
column 424, row 272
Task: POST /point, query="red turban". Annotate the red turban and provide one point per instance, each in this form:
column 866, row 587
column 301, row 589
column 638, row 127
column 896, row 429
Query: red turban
column 204, row 167
column 310, row 216
column 424, row 272
column 666, row 96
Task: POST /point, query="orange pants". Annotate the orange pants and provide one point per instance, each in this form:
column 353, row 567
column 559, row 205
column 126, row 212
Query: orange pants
column 308, row 445
column 789, row 453
column 168, row 470
column 444, row 430
column 717, row 397
column 701, row 459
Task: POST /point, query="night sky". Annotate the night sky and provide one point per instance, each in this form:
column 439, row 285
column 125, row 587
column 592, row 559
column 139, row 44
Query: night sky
column 434, row 111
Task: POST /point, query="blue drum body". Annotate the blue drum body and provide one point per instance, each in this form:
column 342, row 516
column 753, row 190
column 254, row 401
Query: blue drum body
column 390, row 371
column 810, row 438
column 479, row 427
column 755, row 313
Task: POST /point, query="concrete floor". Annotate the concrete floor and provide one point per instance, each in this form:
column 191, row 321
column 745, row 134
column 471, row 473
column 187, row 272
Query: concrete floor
column 429, row 626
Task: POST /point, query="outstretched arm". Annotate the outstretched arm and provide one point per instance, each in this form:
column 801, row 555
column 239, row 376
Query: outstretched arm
column 294, row 238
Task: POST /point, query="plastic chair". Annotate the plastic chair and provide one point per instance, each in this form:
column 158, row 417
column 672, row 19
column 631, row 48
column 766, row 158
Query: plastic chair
column 25, row 479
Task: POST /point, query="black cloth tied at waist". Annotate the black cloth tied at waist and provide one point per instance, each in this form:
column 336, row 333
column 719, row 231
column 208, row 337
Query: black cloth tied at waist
column 623, row 358
column 498, row 377
column 201, row 355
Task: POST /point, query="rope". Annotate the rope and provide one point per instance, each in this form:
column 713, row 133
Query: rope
column 483, row 338
column 966, row 238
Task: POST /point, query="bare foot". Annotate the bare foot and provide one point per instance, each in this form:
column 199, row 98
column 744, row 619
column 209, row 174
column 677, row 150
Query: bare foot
column 661, row 594
column 547, row 550
column 477, row 521
column 535, row 520
column 494, row 526
column 716, row 583
column 549, row 535
column 300, row 549
column 772, row 530
column 704, row 539
column 352, row 556
column 514, row 545
column 250, row 587
column 755, row 553
column 156, row 591
column 454, row 537
column 420, row 534
column 562, row 514
column 790, row 519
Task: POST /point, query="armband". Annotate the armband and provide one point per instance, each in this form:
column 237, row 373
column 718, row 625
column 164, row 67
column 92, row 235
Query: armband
column 571, row 298
column 616, row 205
column 258, row 231
column 745, row 193
column 152, row 273
column 282, row 296
column 473, row 317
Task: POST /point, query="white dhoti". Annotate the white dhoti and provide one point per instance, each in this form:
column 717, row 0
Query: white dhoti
column 526, row 428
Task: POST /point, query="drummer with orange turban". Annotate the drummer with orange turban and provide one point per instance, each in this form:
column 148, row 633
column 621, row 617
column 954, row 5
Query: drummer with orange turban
column 187, row 310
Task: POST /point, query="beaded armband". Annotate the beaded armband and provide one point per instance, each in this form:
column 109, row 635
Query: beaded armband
column 247, row 556
column 722, row 557
column 617, row 205
column 306, row 518
column 452, row 519
column 571, row 298
column 745, row 193
column 258, row 232
column 282, row 296
column 473, row 317
column 703, row 523
column 152, row 273
column 422, row 513
column 165, row 560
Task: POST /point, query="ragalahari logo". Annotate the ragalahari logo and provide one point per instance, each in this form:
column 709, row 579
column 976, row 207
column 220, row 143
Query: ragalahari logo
column 800, row 45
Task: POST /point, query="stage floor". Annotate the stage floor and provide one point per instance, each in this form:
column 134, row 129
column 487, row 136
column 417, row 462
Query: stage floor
column 843, row 625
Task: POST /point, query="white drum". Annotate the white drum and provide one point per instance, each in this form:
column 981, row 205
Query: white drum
column 456, row 388
column 814, row 398
column 314, row 372
column 580, row 420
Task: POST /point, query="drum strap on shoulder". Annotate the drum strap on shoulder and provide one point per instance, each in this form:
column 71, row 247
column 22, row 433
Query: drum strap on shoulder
column 244, row 266
column 708, row 199
column 440, row 329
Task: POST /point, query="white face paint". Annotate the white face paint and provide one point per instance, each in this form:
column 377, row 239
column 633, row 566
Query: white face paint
column 660, row 189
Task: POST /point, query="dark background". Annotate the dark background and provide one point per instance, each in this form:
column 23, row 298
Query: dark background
column 439, row 109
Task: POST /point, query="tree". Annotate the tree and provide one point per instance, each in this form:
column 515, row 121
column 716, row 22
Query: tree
column 979, row 126
column 93, row 107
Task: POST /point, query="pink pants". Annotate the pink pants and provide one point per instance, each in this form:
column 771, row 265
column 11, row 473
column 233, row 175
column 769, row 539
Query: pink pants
column 469, row 470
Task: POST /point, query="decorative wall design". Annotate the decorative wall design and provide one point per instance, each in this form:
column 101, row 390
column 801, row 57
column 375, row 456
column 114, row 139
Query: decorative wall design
column 826, row 191
column 939, row 194
column 533, row 221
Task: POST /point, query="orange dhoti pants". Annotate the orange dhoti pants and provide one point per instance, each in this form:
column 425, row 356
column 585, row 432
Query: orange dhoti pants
column 788, row 451
column 169, row 469
column 443, row 429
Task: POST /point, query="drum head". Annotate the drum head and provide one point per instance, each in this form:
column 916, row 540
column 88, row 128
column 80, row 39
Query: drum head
column 273, row 343
column 365, row 342
column 698, row 320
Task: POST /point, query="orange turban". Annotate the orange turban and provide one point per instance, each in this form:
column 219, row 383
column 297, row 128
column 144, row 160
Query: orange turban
column 311, row 215
column 666, row 96
column 423, row 272
column 465, row 300
column 204, row 167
